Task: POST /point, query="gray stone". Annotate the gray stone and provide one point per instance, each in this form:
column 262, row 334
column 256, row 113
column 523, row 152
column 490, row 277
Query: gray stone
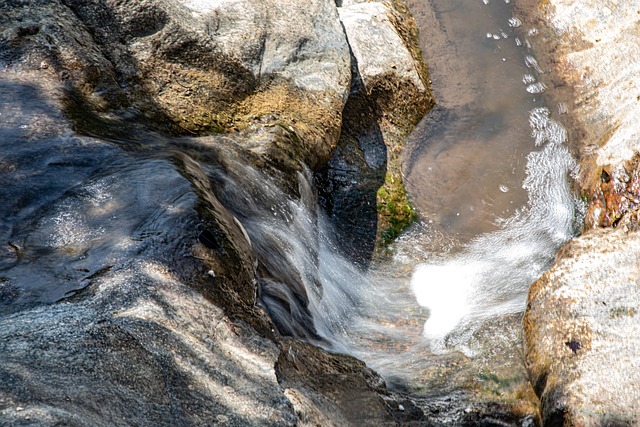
column 114, row 310
column 193, row 67
column 377, row 47
column 147, row 350
column 108, row 323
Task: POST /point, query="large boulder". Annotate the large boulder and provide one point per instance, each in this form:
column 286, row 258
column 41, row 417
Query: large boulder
column 583, row 332
column 192, row 67
column 581, row 323
column 128, row 291
column 592, row 43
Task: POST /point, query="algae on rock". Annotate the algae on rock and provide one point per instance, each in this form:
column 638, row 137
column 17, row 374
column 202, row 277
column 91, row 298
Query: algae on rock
column 389, row 95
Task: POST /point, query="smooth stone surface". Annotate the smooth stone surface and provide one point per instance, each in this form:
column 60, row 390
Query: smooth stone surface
column 376, row 46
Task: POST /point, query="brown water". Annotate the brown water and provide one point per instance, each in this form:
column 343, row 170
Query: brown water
column 466, row 163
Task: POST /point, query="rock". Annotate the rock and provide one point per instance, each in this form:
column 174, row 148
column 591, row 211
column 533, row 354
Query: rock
column 120, row 321
column 108, row 326
column 581, row 324
column 128, row 284
column 365, row 194
column 377, row 47
column 311, row 376
column 582, row 332
column 147, row 350
column 193, row 67
column 592, row 42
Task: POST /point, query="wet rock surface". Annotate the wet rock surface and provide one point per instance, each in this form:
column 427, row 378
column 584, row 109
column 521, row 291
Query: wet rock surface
column 128, row 288
column 310, row 377
column 580, row 326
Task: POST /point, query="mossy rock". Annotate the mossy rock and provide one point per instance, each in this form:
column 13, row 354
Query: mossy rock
column 394, row 210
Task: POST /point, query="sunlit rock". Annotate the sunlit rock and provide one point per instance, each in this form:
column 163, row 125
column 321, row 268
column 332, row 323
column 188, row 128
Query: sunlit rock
column 594, row 44
column 377, row 47
column 194, row 67
column 581, row 325
column 130, row 291
column 582, row 331
column 389, row 95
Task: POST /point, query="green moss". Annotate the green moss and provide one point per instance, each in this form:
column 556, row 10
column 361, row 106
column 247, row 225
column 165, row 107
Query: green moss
column 493, row 384
column 395, row 213
column 584, row 197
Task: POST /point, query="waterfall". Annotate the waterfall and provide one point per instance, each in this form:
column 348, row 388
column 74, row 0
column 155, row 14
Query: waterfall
column 313, row 292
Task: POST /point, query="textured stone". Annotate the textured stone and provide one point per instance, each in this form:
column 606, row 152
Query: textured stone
column 582, row 332
column 592, row 43
column 389, row 96
column 193, row 67
column 128, row 289
column 581, row 324
column 376, row 45
column 115, row 310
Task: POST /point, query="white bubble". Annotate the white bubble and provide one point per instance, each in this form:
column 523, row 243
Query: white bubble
column 536, row 87
column 515, row 22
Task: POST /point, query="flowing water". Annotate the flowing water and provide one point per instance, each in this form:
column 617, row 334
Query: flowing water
column 488, row 170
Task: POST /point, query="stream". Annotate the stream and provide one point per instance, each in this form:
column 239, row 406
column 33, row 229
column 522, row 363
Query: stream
column 439, row 318
column 489, row 172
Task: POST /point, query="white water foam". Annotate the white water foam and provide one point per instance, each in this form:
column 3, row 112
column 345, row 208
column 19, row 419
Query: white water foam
column 491, row 276
column 307, row 283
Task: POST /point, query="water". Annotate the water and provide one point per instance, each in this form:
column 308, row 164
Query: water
column 439, row 313
column 74, row 206
column 491, row 183
column 490, row 177
column 490, row 174
column 466, row 163
column 490, row 276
